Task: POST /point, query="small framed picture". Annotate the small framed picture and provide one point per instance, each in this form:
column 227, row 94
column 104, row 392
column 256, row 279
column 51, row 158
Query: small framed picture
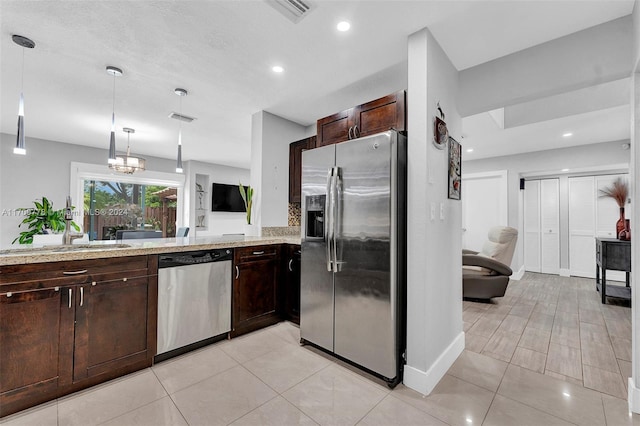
column 455, row 169
column 440, row 133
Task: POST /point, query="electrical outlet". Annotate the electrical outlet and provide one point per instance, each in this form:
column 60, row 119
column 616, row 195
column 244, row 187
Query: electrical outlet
column 433, row 211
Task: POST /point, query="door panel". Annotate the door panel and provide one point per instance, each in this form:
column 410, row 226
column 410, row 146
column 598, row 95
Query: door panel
column 607, row 214
column 550, row 226
column 532, row 260
column 365, row 288
column 582, row 252
column 316, row 282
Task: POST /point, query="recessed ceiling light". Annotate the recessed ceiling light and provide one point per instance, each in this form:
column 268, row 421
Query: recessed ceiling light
column 566, row 135
column 277, row 69
column 469, row 149
column 469, row 420
column 566, row 394
column 343, row 26
column 565, row 170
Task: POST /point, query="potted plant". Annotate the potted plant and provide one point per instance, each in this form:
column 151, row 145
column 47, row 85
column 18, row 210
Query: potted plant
column 247, row 197
column 619, row 191
column 42, row 219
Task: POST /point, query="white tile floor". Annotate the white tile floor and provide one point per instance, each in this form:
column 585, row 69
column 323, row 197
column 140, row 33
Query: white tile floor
column 266, row 378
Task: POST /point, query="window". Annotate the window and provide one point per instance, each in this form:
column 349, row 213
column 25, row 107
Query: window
column 112, row 205
column 107, row 201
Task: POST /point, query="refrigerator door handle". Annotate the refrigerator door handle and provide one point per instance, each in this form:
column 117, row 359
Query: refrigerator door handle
column 336, row 215
column 327, row 222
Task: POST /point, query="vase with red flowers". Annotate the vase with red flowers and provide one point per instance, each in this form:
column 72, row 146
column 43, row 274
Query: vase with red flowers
column 619, row 191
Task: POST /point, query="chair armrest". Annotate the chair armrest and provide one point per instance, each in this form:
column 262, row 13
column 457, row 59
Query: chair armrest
column 486, row 262
column 467, row 251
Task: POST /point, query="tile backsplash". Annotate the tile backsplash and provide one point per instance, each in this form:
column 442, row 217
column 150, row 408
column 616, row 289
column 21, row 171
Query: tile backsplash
column 295, row 210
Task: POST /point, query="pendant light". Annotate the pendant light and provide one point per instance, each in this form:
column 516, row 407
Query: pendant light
column 128, row 163
column 115, row 72
column 182, row 93
column 27, row 43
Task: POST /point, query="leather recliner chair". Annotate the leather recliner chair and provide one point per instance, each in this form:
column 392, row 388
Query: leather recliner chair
column 485, row 274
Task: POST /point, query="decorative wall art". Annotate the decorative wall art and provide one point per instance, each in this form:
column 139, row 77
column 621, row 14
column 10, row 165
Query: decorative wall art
column 440, row 132
column 455, row 169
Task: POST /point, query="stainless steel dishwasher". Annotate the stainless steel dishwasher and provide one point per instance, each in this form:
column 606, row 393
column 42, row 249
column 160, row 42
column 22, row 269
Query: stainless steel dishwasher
column 194, row 300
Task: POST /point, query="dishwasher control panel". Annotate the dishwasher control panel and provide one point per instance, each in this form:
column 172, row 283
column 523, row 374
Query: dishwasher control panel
column 194, row 257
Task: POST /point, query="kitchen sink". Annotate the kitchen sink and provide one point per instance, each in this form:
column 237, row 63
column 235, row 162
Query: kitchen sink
column 63, row 248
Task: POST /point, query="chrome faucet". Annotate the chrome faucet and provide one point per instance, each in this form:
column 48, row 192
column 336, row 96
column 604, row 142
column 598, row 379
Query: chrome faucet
column 68, row 236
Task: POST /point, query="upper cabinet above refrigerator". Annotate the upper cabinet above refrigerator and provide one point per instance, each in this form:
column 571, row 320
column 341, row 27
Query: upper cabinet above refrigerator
column 373, row 117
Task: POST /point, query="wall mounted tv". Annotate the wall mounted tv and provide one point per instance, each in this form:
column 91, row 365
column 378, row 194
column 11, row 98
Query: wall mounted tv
column 226, row 198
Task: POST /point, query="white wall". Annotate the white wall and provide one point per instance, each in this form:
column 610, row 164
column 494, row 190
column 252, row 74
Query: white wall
column 270, row 139
column 634, row 381
column 218, row 223
column 45, row 171
column 548, row 163
column 595, row 55
column 434, row 264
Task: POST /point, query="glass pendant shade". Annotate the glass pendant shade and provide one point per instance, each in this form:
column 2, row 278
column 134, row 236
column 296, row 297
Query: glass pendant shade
column 179, row 163
column 180, row 92
column 112, row 143
column 115, row 72
column 19, row 149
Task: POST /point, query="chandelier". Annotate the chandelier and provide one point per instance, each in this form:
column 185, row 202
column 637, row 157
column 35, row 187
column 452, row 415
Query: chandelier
column 128, row 163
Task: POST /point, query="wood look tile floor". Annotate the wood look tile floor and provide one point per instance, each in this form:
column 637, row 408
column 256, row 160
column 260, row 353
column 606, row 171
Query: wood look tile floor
column 548, row 353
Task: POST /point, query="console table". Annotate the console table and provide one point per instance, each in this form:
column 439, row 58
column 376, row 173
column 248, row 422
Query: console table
column 615, row 255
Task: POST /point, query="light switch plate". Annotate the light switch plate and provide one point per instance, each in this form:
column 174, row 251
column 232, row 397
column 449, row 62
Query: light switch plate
column 433, row 211
column 441, row 211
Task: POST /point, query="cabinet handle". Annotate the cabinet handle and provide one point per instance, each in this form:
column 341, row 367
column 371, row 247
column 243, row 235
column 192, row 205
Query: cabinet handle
column 355, row 132
column 237, row 272
column 290, row 262
column 70, row 294
column 258, row 252
column 350, row 129
column 84, row 271
column 81, row 296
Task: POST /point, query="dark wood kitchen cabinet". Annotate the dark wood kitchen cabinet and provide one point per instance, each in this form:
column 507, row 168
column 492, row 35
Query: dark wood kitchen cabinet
column 380, row 115
column 68, row 325
column 255, row 288
column 295, row 166
column 291, row 280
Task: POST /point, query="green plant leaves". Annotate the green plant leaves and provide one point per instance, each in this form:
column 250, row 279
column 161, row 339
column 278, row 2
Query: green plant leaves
column 42, row 217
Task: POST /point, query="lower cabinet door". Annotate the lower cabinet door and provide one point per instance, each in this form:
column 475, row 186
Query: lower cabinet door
column 29, row 348
column 255, row 295
column 111, row 326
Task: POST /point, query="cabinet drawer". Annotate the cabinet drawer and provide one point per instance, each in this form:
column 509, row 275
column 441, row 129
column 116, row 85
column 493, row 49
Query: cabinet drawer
column 251, row 254
column 50, row 274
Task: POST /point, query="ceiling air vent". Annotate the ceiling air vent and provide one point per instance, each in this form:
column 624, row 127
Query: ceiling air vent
column 293, row 10
column 181, row 117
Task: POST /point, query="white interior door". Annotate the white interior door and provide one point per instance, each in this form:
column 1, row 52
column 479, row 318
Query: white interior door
column 550, row 226
column 484, row 205
column 532, row 261
column 607, row 214
column 582, row 223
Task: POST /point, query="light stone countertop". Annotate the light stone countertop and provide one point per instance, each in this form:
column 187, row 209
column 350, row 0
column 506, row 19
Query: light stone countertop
column 107, row 249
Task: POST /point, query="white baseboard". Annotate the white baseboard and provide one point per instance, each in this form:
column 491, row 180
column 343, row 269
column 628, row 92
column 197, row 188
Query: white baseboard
column 565, row 272
column 425, row 381
column 633, row 397
column 518, row 274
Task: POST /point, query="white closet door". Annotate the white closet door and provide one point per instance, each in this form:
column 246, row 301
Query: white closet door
column 582, row 224
column 532, row 261
column 607, row 214
column 550, row 226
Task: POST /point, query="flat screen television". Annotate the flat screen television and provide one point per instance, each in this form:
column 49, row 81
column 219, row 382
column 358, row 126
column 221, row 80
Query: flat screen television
column 226, row 198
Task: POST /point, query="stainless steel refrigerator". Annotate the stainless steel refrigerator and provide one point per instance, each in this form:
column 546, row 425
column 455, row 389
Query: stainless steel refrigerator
column 353, row 273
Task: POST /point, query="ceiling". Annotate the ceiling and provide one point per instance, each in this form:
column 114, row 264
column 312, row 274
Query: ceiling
column 222, row 53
